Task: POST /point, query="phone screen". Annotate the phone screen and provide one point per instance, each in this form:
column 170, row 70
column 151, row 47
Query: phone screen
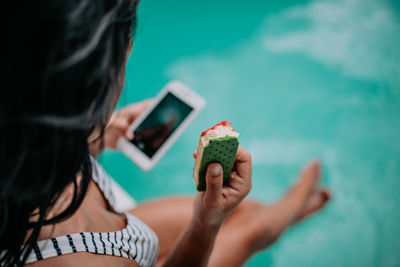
column 162, row 121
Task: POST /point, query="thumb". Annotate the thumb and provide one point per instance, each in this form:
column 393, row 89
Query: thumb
column 129, row 134
column 214, row 180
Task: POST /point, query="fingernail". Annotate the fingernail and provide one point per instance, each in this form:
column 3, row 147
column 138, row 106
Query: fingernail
column 130, row 135
column 316, row 162
column 215, row 170
column 326, row 196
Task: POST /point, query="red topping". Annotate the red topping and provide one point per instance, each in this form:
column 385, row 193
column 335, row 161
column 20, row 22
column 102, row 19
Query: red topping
column 222, row 123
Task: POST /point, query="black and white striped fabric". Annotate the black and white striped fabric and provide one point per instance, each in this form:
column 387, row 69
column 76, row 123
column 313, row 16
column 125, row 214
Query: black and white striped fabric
column 136, row 241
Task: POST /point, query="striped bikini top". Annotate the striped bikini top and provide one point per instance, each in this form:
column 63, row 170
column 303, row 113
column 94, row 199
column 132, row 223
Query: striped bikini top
column 136, row 241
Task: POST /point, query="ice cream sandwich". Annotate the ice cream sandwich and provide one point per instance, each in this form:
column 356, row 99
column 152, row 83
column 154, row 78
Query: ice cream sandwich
column 217, row 144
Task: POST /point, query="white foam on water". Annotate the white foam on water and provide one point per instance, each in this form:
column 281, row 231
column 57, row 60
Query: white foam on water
column 284, row 151
column 361, row 37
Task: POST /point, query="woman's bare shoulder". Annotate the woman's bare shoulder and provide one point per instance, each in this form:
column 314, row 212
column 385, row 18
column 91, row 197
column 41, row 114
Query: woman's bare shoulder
column 85, row 259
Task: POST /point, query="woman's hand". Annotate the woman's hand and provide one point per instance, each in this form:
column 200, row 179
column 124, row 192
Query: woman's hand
column 215, row 204
column 118, row 126
column 211, row 207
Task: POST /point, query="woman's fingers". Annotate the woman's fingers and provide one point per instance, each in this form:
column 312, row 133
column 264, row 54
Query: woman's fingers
column 119, row 122
column 132, row 111
column 129, row 134
column 118, row 127
column 239, row 184
column 218, row 200
column 243, row 164
column 112, row 137
column 214, row 181
column 241, row 175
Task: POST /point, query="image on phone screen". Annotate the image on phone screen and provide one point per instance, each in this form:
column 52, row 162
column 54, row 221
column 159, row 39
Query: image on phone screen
column 162, row 121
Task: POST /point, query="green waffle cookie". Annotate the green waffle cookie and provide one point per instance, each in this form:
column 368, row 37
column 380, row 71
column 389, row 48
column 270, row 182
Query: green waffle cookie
column 222, row 150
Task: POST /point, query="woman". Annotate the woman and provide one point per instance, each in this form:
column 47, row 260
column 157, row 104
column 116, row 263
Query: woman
column 65, row 71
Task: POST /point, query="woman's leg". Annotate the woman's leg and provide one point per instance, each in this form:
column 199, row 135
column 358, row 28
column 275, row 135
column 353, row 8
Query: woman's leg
column 249, row 228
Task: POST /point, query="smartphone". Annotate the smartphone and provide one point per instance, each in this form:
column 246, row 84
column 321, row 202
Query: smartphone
column 156, row 129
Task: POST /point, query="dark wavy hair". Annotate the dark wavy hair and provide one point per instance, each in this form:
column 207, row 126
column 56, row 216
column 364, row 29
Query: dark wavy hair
column 64, row 69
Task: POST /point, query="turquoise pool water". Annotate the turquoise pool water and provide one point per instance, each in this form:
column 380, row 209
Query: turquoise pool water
column 299, row 80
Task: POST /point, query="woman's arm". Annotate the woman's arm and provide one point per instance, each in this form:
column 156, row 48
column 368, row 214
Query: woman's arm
column 194, row 247
column 211, row 208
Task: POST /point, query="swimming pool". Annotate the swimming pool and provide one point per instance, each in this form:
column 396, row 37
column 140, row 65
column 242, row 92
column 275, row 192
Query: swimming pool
column 299, row 80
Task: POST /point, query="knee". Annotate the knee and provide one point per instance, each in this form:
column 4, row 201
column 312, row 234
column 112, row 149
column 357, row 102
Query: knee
column 256, row 231
column 261, row 233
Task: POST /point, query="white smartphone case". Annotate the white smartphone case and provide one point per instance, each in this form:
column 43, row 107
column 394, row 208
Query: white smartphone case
column 183, row 93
